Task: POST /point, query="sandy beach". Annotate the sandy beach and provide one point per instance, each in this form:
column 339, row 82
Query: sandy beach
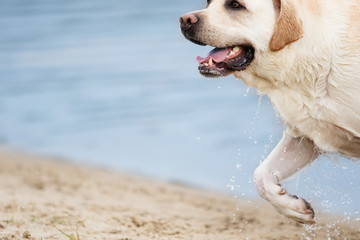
column 44, row 198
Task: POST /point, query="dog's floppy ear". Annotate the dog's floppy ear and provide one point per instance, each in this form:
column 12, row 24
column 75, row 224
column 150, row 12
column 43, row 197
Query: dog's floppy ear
column 288, row 27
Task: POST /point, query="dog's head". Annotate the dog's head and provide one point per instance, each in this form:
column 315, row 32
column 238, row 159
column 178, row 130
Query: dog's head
column 239, row 30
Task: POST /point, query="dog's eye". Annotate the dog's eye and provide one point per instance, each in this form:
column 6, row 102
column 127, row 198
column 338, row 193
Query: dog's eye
column 235, row 4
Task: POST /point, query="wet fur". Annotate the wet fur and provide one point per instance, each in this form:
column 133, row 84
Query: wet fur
column 307, row 60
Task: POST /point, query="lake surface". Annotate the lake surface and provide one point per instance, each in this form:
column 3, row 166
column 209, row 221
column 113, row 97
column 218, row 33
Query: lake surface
column 114, row 84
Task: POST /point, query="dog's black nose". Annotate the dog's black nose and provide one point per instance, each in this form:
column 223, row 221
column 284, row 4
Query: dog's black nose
column 187, row 20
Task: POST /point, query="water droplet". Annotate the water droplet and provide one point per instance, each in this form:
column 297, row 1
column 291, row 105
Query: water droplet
column 246, row 92
column 231, row 187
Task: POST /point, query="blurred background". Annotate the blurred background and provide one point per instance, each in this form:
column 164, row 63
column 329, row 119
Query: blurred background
column 114, row 84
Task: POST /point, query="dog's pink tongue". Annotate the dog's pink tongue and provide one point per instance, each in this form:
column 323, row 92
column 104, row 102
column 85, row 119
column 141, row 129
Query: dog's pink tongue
column 217, row 54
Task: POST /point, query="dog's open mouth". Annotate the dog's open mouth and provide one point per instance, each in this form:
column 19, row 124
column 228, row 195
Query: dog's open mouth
column 224, row 61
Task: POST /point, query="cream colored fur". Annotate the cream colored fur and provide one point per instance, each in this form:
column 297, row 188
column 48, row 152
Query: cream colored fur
column 314, row 82
column 312, row 79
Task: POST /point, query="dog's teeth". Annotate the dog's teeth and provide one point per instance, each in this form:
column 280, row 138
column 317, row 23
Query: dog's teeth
column 231, row 53
column 211, row 62
column 236, row 49
column 205, row 64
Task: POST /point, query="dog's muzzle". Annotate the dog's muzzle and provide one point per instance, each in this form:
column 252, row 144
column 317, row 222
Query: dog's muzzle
column 188, row 24
column 221, row 61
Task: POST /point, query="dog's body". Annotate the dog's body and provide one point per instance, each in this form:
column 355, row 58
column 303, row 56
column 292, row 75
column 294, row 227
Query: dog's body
column 303, row 54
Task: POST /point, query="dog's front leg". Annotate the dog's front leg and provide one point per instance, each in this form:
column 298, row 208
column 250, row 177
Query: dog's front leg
column 289, row 156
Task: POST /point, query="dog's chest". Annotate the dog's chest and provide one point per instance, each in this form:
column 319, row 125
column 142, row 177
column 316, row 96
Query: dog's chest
column 317, row 119
column 294, row 106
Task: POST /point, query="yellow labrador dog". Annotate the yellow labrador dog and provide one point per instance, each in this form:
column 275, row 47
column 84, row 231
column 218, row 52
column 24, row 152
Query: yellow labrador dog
column 305, row 55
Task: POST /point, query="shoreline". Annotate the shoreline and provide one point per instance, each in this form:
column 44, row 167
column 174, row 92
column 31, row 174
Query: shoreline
column 47, row 198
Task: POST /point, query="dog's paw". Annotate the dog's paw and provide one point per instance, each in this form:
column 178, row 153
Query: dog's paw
column 293, row 207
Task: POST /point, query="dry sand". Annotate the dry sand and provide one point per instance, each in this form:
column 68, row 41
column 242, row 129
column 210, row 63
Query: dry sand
column 44, row 198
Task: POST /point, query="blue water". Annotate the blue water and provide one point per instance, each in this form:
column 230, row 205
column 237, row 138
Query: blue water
column 114, row 84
